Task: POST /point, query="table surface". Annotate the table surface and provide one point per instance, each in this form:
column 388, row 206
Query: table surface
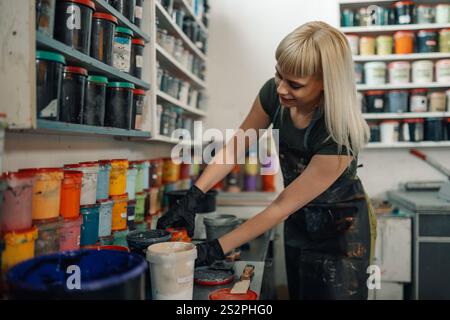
column 423, row 201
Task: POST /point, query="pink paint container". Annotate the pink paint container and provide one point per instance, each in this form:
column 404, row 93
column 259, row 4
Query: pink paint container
column 70, row 234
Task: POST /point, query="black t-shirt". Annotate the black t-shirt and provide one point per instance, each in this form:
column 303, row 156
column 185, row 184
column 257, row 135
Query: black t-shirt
column 295, row 153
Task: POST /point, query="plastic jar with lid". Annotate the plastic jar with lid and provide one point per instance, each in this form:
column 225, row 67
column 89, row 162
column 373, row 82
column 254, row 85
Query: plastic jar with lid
column 125, row 7
column 404, row 11
column 45, row 16
column 73, row 94
column 404, row 42
column 122, row 49
column 413, row 130
column 103, row 32
column 375, row 101
column 137, row 57
column 353, row 41
column 389, row 131
column 427, row 41
column 434, row 129
column 375, row 73
column 73, row 23
column 397, row 101
column 444, row 40
column 422, row 71
column 347, row 18
column 138, row 109
column 425, row 14
column 94, row 106
column 119, row 104
column 437, row 101
column 366, row 46
column 49, row 72
column 443, row 71
column 384, row 44
column 399, row 72
column 443, row 13
column 418, row 101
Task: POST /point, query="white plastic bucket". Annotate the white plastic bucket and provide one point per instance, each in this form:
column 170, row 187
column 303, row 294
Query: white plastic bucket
column 422, row 71
column 375, row 73
column 399, row 72
column 389, row 131
column 443, row 71
column 172, row 270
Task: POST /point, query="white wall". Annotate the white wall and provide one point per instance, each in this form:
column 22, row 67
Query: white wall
column 243, row 39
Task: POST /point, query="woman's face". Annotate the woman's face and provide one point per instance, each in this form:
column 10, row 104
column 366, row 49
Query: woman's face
column 297, row 92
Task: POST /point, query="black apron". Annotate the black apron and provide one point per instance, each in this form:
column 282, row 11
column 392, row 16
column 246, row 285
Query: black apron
column 327, row 242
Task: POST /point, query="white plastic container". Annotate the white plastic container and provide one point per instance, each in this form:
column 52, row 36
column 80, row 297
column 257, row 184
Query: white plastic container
column 443, row 13
column 353, row 41
column 375, row 73
column 443, row 71
column 131, row 183
column 89, row 182
column 399, row 72
column 422, row 71
column 389, row 131
column 172, row 270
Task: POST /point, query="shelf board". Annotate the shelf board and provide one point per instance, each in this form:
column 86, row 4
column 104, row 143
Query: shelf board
column 399, row 145
column 389, row 86
column 397, row 57
column 164, row 96
column 103, row 6
column 365, row 2
column 169, row 62
column 191, row 13
column 405, row 115
column 169, row 140
column 393, row 28
column 80, row 59
column 166, row 22
column 56, row 127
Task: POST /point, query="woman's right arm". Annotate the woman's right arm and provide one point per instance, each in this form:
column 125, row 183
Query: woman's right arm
column 218, row 169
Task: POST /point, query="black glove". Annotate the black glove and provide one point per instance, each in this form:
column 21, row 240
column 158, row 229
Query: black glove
column 183, row 213
column 208, row 253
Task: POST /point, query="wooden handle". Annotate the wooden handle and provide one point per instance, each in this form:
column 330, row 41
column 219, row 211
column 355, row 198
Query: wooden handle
column 418, row 154
column 247, row 274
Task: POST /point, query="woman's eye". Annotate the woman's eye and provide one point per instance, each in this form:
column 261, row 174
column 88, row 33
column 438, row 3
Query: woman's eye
column 295, row 86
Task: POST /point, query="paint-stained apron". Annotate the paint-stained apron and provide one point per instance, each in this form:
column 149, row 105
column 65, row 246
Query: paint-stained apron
column 329, row 242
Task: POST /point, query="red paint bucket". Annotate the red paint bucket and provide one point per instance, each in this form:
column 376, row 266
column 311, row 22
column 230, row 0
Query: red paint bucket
column 70, row 234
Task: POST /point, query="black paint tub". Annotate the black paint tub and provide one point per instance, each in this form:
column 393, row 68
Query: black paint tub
column 125, row 7
column 119, row 102
column 94, row 106
column 103, row 32
column 137, row 57
column 72, row 94
column 104, row 274
column 73, row 23
column 434, row 129
column 207, row 205
column 138, row 13
column 138, row 109
column 139, row 241
column 49, row 71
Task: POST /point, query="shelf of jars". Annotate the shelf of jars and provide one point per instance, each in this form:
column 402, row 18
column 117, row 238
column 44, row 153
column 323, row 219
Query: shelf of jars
column 399, row 86
column 399, row 145
column 190, row 11
column 393, row 28
column 167, row 98
column 403, row 57
column 405, row 115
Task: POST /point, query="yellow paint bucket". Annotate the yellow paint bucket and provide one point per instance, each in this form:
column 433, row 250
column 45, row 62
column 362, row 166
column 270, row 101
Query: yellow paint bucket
column 118, row 177
column 19, row 246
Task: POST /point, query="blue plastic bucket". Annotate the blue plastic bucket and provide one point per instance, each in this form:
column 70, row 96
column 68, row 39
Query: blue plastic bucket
column 89, row 228
column 103, row 181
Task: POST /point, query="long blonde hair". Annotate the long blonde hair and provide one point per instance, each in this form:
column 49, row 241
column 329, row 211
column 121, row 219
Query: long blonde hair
column 318, row 49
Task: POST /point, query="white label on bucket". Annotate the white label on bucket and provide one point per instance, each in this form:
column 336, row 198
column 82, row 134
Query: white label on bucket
column 378, row 104
column 404, row 19
column 74, row 20
column 50, row 110
column 123, row 215
column 139, row 61
column 138, row 12
column 185, row 279
column 131, row 218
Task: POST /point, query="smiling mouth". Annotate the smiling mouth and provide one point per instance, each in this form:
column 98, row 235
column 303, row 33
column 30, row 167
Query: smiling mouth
column 286, row 100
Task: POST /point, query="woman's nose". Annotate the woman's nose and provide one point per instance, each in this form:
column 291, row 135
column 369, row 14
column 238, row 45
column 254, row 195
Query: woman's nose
column 281, row 89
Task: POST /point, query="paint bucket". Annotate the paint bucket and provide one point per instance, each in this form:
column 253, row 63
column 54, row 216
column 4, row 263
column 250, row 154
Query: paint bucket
column 131, row 182
column 46, row 192
column 366, row 46
column 70, row 234
column 443, row 13
column 434, row 129
column 171, row 171
column 49, row 71
column 443, row 71
column 122, row 49
column 359, row 69
column 140, row 178
column 398, row 101
column 444, row 40
column 103, row 32
column 95, row 100
column 89, row 182
column 137, row 57
column 375, row 73
column 225, row 294
column 118, row 177
column 48, row 236
column 399, row 72
column 139, row 241
column 89, row 228
column 71, row 194
column 425, row 14
column 105, row 274
column 413, row 130
column 119, row 105
column 73, row 23
column 106, row 241
column 17, row 197
column 427, row 41
column 418, row 101
column 120, row 238
column 353, row 41
column 375, row 101
column 389, row 131
column 131, row 207
column 140, row 207
column 105, row 217
column 153, row 201
column 172, row 270
column 119, row 212
column 384, row 45
column 45, row 17
column 250, row 183
column 156, row 173
column 374, row 131
column 19, row 246
column 73, row 91
column 404, row 12
column 104, row 170
column 422, row 71
column 404, row 42
column 219, row 225
column 437, row 101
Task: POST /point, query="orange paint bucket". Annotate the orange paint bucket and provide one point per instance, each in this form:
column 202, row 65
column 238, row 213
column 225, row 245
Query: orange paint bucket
column 71, row 194
column 119, row 212
column 404, row 42
column 46, row 192
column 19, row 247
column 118, row 177
column 171, row 171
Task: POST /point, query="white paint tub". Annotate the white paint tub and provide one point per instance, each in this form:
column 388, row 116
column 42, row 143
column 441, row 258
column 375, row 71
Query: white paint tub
column 172, row 270
column 422, row 71
column 399, row 72
column 375, row 73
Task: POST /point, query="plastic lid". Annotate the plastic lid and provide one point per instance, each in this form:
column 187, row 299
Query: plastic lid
column 70, row 173
column 98, row 79
column 402, row 63
column 225, row 294
column 139, row 92
column 124, row 30
column 126, row 85
column 41, row 170
column 120, row 196
column 51, row 56
column 419, row 91
column 413, row 120
column 104, row 201
column 87, row 3
column 77, row 70
column 209, row 277
column 404, row 33
column 138, row 41
column 374, row 92
column 88, row 164
column 105, row 16
column 443, row 61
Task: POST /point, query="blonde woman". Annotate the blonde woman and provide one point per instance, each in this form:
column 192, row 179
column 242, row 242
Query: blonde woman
column 312, row 101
